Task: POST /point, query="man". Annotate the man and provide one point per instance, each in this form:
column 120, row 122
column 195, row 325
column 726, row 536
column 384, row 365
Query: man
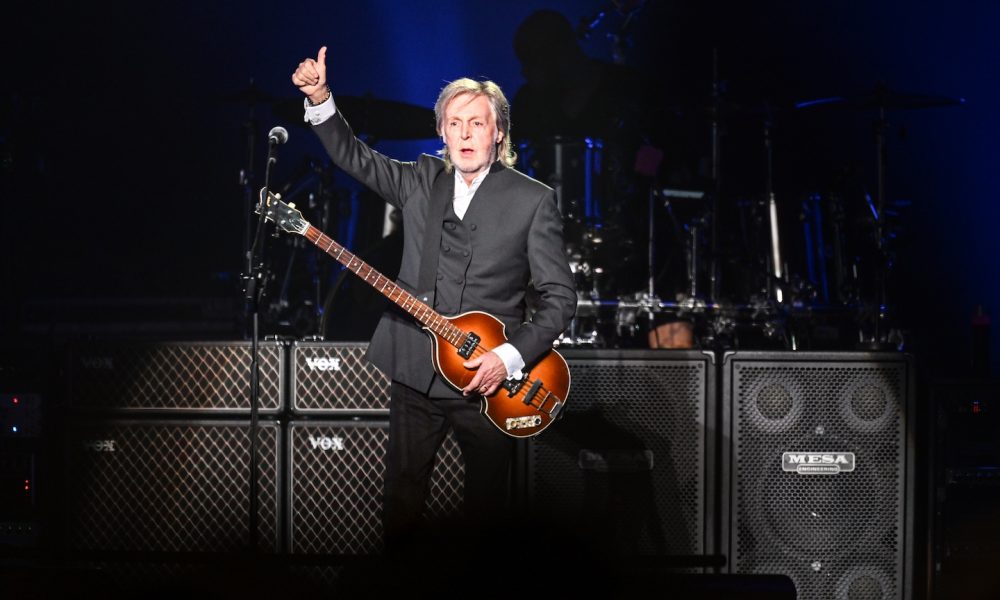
column 477, row 236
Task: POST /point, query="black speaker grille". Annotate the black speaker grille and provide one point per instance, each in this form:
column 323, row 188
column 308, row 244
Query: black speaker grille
column 198, row 377
column 169, row 487
column 837, row 536
column 626, row 463
column 336, row 378
column 337, row 470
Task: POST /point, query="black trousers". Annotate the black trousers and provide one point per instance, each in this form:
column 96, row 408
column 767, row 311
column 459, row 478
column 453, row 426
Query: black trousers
column 418, row 425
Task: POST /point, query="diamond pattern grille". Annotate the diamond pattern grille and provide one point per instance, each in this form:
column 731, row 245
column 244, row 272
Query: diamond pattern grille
column 168, row 376
column 626, row 463
column 334, row 378
column 337, row 470
column 837, row 536
column 169, row 487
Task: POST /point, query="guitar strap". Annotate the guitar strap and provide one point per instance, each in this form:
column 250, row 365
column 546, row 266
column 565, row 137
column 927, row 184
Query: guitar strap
column 442, row 193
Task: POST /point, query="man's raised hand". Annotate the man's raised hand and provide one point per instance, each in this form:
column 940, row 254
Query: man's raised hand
column 310, row 77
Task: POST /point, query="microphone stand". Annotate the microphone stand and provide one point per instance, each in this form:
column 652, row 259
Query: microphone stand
column 254, row 282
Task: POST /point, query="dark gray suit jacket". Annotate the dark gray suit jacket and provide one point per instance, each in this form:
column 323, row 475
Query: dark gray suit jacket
column 517, row 243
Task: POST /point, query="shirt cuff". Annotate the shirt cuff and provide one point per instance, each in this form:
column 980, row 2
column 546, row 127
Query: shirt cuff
column 319, row 113
column 511, row 359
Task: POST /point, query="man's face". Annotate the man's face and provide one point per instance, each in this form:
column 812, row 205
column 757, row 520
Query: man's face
column 470, row 131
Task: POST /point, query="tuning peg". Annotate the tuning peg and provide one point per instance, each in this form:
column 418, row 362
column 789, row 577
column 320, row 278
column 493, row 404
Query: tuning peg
column 291, row 205
column 277, row 195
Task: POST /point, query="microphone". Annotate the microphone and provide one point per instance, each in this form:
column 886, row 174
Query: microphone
column 277, row 135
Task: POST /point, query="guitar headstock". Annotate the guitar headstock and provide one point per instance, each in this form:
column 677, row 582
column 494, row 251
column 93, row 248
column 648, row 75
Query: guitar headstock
column 285, row 216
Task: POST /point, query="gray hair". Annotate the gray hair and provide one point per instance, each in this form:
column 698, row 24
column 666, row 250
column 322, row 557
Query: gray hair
column 501, row 113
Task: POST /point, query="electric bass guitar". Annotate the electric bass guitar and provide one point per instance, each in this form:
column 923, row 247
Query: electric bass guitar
column 519, row 407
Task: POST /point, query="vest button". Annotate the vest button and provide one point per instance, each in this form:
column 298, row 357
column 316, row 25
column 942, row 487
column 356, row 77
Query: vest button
column 449, row 225
column 447, row 248
column 465, row 252
column 472, row 227
column 440, row 277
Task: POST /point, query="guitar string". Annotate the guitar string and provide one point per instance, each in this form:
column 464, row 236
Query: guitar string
column 478, row 351
column 541, row 388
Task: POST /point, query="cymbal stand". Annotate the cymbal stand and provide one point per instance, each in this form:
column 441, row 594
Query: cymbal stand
column 775, row 270
column 716, row 178
column 650, row 303
column 879, row 340
column 776, row 276
column 691, row 236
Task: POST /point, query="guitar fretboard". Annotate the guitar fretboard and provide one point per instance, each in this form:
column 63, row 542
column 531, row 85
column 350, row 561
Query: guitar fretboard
column 426, row 315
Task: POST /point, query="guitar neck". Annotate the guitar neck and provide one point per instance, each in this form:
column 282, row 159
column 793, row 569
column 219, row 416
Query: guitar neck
column 424, row 314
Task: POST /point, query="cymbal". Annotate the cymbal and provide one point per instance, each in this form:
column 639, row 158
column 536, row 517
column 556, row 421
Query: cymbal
column 383, row 119
column 882, row 97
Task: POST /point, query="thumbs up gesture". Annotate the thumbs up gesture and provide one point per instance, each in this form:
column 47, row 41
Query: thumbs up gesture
column 310, row 77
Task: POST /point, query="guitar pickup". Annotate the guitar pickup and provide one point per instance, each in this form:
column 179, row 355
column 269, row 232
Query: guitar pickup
column 469, row 345
column 513, row 386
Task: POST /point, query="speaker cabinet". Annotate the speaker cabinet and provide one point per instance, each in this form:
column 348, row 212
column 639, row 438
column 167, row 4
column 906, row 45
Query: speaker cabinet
column 818, row 472
column 169, row 486
column 209, row 378
column 336, row 470
column 629, row 465
column 965, row 481
column 335, row 379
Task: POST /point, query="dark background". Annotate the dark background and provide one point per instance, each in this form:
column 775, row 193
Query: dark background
column 122, row 135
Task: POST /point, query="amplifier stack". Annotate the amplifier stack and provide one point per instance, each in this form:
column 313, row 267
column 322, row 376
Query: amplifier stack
column 789, row 463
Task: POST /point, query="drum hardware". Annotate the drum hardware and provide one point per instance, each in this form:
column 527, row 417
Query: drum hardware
column 690, row 232
column 776, row 270
column 720, row 331
column 882, row 99
column 574, row 169
column 629, row 311
column 637, row 313
column 291, row 308
column 815, row 244
column 585, row 329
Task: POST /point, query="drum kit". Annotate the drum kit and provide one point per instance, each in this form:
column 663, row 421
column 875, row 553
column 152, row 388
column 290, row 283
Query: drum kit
column 664, row 267
column 753, row 272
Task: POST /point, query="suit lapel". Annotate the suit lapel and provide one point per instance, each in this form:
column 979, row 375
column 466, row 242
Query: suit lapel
column 480, row 206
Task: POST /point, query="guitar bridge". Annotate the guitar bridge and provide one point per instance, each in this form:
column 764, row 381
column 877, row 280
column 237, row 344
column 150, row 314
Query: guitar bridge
column 469, row 345
column 530, row 396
